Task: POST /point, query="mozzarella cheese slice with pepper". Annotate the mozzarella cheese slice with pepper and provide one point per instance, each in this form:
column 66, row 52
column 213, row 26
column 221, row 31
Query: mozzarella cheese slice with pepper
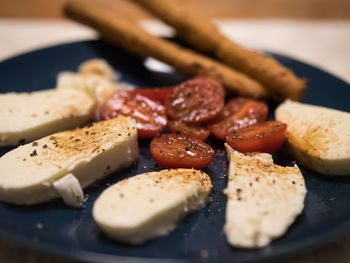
column 263, row 199
column 57, row 165
column 25, row 117
column 149, row 205
column 318, row 137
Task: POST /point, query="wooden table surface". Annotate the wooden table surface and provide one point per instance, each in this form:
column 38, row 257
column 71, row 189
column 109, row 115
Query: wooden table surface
column 295, row 38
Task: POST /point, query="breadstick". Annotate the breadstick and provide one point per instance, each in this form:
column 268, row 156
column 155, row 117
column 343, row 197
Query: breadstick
column 203, row 35
column 130, row 36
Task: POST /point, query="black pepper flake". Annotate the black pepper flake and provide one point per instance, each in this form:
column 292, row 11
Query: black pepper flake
column 33, row 153
column 129, row 134
column 77, row 140
column 257, row 179
column 86, row 132
column 239, row 198
column 250, row 184
column 273, row 181
column 293, row 182
column 24, row 160
column 35, row 143
column 239, row 190
column 45, row 146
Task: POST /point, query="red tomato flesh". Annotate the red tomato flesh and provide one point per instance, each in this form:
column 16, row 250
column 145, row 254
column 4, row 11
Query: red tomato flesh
column 150, row 116
column 262, row 137
column 155, row 94
column 180, row 151
column 196, row 100
column 237, row 113
column 194, row 130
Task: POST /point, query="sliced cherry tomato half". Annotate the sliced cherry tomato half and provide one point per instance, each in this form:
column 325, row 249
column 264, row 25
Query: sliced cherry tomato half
column 262, row 137
column 156, row 94
column 196, row 100
column 150, row 116
column 237, row 113
column 180, row 151
column 194, row 130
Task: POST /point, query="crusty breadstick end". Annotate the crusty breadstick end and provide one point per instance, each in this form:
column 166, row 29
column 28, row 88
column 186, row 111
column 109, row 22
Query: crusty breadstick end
column 279, row 80
column 203, row 35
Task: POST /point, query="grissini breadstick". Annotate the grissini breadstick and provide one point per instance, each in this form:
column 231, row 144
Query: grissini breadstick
column 201, row 34
column 131, row 37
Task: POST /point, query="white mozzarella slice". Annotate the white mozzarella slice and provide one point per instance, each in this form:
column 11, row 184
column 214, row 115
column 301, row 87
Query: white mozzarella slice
column 318, row 137
column 150, row 205
column 25, row 117
column 90, row 153
column 263, row 199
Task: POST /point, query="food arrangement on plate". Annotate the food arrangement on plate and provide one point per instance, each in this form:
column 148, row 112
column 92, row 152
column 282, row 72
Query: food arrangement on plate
column 61, row 156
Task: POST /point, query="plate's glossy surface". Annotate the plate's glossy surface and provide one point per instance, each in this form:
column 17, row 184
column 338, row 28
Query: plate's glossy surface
column 73, row 233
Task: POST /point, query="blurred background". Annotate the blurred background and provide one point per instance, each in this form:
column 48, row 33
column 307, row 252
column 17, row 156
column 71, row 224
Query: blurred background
column 314, row 31
column 313, row 9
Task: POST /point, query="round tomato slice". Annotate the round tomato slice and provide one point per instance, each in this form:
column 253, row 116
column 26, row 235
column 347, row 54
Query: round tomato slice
column 180, row 151
column 237, row 113
column 156, row 94
column 150, row 116
column 196, row 100
column 194, row 130
column 262, row 137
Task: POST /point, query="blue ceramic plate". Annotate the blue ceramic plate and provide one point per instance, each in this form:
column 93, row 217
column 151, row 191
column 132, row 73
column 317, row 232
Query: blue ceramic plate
column 72, row 232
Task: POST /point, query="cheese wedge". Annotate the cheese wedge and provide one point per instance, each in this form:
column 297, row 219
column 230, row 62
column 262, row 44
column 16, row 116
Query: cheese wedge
column 25, row 117
column 98, row 67
column 96, row 77
column 98, row 87
column 149, row 205
column 33, row 173
column 263, row 199
column 318, row 137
